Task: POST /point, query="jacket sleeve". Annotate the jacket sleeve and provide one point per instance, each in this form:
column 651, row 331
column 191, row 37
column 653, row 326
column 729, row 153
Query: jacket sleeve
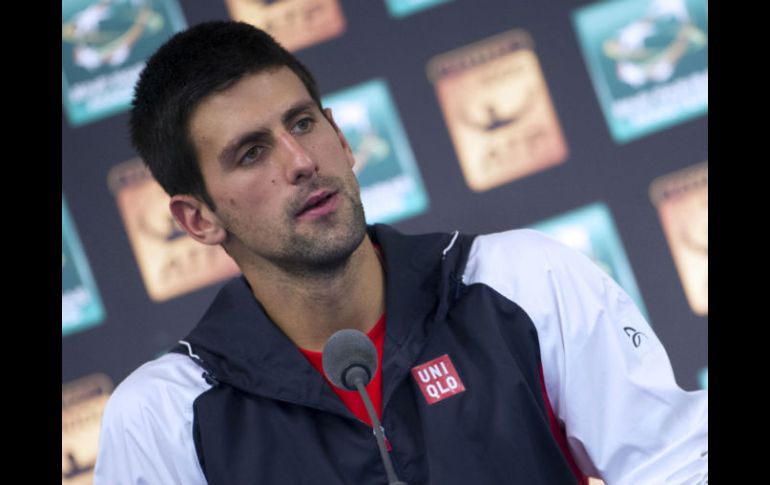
column 146, row 433
column 608, row 378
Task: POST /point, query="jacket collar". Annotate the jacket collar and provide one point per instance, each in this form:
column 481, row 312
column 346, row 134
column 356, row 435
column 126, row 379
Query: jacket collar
column 244, row 349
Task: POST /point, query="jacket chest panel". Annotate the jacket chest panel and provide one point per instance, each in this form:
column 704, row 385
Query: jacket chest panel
column 495, row 431
column 247, row 439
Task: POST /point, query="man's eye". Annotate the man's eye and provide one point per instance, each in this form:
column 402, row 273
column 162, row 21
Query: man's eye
column 251, row 155
column 304, row 125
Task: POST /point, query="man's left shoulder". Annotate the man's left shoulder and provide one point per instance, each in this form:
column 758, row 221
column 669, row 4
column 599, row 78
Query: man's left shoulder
column 523, row 248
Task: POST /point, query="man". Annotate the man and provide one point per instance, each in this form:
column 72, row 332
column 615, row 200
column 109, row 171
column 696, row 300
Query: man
column 502, row 358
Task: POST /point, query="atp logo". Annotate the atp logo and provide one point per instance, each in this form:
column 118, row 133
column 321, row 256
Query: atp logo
column 635, row 336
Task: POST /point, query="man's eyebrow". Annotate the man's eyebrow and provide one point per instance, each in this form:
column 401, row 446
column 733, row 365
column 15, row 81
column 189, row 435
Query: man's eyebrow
column 298, row 107
column 262, row 134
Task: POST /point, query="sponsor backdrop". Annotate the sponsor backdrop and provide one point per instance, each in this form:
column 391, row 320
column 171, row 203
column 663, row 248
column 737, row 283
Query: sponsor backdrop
column 585, row 120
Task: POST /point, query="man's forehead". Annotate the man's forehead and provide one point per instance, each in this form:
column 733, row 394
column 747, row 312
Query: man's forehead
column 263, row 96
column 268, row 86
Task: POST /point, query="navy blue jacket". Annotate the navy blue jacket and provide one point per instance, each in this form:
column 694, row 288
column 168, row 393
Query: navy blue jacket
column 257, row 412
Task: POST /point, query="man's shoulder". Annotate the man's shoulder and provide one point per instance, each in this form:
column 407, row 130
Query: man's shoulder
column 519, row 238
column 146, row 433
column 167, row 384
column 525, row 257
column 522, row 246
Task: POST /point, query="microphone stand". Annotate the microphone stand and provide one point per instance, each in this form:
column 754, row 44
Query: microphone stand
column 378, row 433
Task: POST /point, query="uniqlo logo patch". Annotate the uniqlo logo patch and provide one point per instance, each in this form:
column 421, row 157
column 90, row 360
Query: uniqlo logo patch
column 438, row 379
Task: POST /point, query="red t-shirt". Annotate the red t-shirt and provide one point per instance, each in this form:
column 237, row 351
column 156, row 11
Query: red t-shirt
column 352, row 399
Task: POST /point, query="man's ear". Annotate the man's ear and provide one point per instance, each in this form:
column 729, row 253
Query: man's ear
column 197, row 220
column 340, row 135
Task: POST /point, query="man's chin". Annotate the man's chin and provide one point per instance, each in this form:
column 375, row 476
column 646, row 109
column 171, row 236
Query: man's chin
column 328, row 252
column 338, row 249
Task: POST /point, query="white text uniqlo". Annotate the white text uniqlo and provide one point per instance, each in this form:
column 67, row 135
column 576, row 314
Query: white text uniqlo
column 438, row 379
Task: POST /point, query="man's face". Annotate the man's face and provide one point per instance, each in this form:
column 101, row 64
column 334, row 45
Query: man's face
column 280, row 174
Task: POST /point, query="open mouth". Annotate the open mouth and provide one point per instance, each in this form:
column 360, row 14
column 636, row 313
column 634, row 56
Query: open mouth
column 319, row 205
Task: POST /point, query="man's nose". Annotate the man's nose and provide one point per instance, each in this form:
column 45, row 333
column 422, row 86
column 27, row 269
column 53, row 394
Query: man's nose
column 298, row 163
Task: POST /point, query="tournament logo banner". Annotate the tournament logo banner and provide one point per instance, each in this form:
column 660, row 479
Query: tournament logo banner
column 81, row 306
column 391, row 185
column 171, row 263
column 295, row 24
column 498, row 110
column 648, row 61
column 682, row 200
column 592, row 231
column 82, row 406
column 402, row 8
column 104, row 47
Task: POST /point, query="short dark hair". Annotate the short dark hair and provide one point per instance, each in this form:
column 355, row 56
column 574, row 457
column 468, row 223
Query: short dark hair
column 194, row 63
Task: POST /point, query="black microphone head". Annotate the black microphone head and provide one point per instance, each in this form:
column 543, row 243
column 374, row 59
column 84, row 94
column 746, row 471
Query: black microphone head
column 348, row 350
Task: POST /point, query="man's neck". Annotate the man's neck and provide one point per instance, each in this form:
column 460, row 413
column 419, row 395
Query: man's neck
column 309, row 308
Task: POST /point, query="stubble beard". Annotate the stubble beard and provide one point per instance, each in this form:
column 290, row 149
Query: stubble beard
column 325, row 250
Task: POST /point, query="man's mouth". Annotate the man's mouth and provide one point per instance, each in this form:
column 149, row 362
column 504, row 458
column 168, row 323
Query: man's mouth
column 318, row 205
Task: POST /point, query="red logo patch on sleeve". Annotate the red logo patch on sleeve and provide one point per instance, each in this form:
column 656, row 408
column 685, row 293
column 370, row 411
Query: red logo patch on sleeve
column 438, row 379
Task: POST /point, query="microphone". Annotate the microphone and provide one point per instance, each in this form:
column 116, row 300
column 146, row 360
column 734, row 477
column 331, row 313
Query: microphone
column 349, row 362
